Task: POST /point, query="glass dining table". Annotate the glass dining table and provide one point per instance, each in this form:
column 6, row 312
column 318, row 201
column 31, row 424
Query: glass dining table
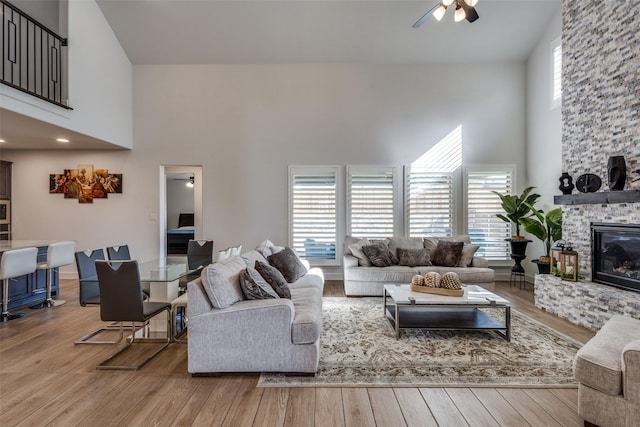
column 162, row 276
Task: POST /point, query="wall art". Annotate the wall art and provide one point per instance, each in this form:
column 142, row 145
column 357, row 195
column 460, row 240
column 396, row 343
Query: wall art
column 85, row 183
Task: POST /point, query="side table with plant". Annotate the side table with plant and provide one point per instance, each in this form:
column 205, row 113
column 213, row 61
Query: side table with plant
column 546, row 227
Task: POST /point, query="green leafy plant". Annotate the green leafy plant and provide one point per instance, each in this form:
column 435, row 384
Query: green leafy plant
column 517, row 208
column 546, row 227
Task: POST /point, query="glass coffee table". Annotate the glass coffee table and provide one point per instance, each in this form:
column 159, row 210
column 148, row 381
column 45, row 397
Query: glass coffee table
column 405, row 309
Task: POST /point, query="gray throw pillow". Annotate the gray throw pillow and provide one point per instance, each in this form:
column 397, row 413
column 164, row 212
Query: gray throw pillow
column 221, row 282
column 254, row 286
column 447, row 254
column 413, row 257
column 274, row 278
column 467, row 255
column 288, row 263
column 379, row 255
column 356, row 251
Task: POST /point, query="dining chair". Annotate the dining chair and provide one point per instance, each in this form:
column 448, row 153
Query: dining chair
column 15, row 263
column 199, row 255
column 118, row 253
column 58, row 255
column 89, row 294
column 121, row 301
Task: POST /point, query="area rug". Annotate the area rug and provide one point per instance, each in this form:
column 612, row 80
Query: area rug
column 359, row 349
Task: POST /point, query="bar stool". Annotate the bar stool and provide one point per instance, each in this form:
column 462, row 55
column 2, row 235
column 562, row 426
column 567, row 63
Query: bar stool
column 58, row 254
column 15, row 263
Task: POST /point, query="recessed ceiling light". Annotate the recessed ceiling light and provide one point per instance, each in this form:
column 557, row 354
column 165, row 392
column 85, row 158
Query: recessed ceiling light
column 62, row 140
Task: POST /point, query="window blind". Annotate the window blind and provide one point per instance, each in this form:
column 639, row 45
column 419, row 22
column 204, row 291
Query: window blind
column 313, row 214
column 484, row 228
column 370, row 203
column 429, row 201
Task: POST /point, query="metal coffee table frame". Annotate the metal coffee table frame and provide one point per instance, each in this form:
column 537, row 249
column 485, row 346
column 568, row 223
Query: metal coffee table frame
column 445, row 316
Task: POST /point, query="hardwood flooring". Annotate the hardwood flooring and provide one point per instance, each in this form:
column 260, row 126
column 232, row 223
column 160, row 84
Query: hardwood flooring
column 47, row 380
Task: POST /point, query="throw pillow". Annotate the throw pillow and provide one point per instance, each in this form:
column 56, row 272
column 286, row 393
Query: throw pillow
column 356, row 251
column 379, row 255
column 288, row 263
column 274, row 278
column 396, row 243
column 221, row 282
column 447, row 254
column 413, row 257
column 254, row 286
column 467, row 255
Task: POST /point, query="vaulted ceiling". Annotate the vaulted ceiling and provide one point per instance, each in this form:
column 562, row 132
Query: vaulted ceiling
column 322, row 31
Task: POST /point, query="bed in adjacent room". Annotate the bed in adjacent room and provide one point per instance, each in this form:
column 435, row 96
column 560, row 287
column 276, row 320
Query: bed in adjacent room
column 178, row 238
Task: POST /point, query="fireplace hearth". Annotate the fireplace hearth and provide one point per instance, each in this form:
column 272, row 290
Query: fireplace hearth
column 615, row 250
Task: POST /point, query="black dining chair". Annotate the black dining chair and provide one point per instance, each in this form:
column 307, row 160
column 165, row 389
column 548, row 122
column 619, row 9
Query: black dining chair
column 121, row 301
column 118, row 253
column 199, row 255
column 89, row 294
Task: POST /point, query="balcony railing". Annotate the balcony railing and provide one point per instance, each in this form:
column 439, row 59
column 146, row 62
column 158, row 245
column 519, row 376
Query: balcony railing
column 33, row 57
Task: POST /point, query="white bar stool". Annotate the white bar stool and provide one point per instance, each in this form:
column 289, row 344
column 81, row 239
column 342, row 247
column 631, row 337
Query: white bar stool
column 15, row 263
column 58, row 254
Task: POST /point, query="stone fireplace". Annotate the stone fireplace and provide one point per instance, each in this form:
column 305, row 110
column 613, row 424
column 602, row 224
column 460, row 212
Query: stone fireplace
column 615, row 250
column 600, row 118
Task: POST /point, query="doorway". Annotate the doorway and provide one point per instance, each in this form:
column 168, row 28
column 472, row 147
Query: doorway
column 180, row 193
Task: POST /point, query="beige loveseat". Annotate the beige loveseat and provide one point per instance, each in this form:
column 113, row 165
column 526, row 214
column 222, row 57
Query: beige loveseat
column 259, row 335
column 362, row 280
column 608, row 371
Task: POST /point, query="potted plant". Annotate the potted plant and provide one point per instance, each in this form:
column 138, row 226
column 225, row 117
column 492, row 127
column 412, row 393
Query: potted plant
column 515, row 209
column 546, row 227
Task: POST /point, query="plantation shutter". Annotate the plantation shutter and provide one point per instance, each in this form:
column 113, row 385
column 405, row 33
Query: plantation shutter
column 484, row 228
column 429, row 202
column 313, row 213
column 370, row 203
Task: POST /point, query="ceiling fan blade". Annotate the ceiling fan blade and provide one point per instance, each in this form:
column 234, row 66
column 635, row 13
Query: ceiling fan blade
column 422, row 20
column 469, row 11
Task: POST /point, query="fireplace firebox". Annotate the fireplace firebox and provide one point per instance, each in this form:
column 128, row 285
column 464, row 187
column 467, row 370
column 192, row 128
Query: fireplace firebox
column 615, row 250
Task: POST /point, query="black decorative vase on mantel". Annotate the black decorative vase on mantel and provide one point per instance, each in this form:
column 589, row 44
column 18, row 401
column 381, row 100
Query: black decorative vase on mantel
column 566, row 183
column 617, row 173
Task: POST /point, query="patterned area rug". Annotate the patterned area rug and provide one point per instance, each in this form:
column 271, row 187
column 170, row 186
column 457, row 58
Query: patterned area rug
column 359, row 348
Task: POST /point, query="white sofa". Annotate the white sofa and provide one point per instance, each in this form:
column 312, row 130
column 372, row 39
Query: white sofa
column 369, row 281
column 267, row 335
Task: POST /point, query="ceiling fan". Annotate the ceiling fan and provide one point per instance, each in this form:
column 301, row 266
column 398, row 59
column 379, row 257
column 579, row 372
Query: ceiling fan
column 464, row 9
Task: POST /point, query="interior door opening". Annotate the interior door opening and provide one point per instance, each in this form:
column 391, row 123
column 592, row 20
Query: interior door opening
column 180, row 208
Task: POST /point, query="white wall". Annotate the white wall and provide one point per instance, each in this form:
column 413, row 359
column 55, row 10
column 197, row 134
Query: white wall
column 244, row 124
column 179, row 200
column 100, row 82
column 544, row 130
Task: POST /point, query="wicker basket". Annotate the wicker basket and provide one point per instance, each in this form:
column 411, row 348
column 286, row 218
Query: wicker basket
column 438, row 291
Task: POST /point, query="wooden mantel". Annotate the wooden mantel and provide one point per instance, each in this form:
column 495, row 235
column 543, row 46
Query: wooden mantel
column 599, row 198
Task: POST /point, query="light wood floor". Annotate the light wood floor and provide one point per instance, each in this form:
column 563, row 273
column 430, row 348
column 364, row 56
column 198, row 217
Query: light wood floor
column 46, row 380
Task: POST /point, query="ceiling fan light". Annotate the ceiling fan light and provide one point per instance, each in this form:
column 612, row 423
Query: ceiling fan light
column 459, row 15
column 471, row 3
column 439, row 12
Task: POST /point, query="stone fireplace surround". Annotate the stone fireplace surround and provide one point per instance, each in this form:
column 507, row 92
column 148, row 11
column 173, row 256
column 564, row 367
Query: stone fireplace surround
column 584, row 302
column 600, row 118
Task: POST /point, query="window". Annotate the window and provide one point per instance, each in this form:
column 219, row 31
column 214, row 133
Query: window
column 556, row 73
column 484, row 228
column 429, row 202
column 371, row 201
column 313, row 212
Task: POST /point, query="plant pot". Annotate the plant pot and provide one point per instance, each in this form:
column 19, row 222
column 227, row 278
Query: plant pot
column 518, row 246
column 543, row 267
